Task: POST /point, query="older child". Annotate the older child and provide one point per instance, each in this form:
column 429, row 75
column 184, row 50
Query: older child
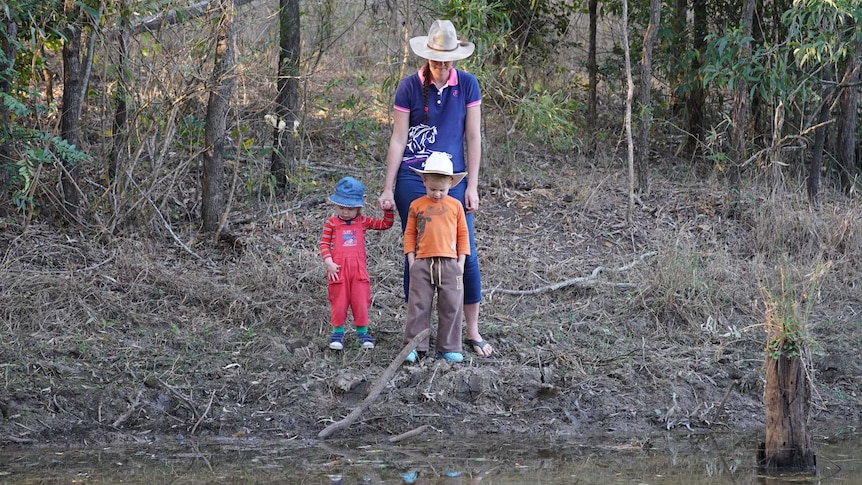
column 342, row 247
column 436, row 243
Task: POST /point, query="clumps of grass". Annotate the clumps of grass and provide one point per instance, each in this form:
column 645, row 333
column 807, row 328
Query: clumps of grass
column 687, row 290
column 788, row 302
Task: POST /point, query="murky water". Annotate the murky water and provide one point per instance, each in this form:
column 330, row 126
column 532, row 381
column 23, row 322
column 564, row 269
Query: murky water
column 432, row 459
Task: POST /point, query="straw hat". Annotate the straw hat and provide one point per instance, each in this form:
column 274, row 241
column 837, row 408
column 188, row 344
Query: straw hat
column 441, row 44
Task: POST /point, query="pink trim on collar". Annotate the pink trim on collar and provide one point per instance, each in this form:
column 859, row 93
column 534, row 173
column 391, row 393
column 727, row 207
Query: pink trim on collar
column 453, row 77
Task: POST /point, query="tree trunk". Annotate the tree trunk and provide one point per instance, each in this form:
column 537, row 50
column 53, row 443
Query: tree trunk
column 678, row 47
column 740, row 107
column 846, row 142
column 121, row 95
column 592, row 67
column 826, row 96
column 786, row 398
column 642, row 160
column 286, row 101
column 7, row 44
column 630, row 90
column 221, row 82
column 73, row 100
column 695, row 104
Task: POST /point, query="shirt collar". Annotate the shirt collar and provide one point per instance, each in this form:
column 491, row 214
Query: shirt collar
column 452, row 81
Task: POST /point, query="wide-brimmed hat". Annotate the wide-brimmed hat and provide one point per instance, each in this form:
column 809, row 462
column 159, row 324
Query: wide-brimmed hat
column 441, row 44
column 349, row 192
column 440, row 163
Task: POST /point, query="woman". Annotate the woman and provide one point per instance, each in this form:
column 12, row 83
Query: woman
column 439, row 109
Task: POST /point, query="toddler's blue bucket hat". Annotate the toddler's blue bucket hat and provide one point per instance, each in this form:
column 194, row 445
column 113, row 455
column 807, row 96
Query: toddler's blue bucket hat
column 349, row 192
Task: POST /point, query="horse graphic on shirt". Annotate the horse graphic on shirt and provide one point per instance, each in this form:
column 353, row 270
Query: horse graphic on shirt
column 419, row 138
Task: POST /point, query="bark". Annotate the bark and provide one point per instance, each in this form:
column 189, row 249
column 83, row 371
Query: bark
column 814, row 168
column 696, row 100
column 73, row 100
column 679, row 48
column 119, row 131
column 284, row 143
column 221, row 82
column 592, row 67
column 846, row 142
column 740, row 106
column 642, row 160
column 788, row 443
column 630, row 89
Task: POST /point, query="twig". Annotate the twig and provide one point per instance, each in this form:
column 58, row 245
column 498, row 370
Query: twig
column 579, row 281
column 409, row 434
column 377, row 388
column 717, row 412
column 134, row 405
column 188, row 402
column 206, row 411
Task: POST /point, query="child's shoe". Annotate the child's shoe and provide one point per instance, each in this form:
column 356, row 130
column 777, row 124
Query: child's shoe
column 336, row 341
column 451, row 356
column 367, row 341
column 412, row 357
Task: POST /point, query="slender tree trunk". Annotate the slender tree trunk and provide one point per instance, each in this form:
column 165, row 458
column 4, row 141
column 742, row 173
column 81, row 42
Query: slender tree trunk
column 848, row 114
column 287, row 99
column 121, row 95
column 826, row 96
column 70, row 128
column 212, row 179
column 788, row 443
column 696, row 101
column 740, row 107
column 630, row 90
column 592, row 67
column 642, row 160
column 7, row 44
column 679, row 48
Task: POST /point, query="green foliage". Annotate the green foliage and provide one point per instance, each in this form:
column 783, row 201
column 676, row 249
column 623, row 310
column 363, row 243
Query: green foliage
column 787, row 310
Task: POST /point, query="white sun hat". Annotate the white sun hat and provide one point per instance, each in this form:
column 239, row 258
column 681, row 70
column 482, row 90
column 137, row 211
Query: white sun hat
column 440, row 163
column 441, row 44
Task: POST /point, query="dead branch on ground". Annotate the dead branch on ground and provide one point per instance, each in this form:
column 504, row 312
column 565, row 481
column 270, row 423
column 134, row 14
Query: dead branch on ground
column 377, row 388
column 581, row 281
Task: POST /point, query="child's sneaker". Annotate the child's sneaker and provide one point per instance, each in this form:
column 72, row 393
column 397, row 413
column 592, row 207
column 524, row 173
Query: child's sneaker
column 451, row 356
column 367, row 341
column 412, row 357
column 336, row 341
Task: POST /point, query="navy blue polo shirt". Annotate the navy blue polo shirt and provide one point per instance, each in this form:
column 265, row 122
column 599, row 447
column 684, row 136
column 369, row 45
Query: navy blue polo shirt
column 447, row 115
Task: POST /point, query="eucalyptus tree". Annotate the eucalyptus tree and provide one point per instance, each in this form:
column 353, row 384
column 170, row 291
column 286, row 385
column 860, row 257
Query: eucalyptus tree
column 287, row 97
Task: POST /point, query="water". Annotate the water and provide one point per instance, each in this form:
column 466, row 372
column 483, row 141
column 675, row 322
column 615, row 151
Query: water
column 496, row 460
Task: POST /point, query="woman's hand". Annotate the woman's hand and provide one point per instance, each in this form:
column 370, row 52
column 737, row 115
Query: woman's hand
column 386, row 201
column 471, row 199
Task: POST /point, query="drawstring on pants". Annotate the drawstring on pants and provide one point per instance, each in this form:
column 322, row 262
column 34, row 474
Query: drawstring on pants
column 439, row 270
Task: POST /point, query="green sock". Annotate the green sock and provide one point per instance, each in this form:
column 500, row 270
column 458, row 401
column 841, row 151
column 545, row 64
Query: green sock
column 361, row 330
column 338, row 329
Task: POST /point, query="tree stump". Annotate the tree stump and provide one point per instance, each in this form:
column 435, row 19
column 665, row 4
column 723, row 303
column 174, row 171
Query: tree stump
column 788, row 444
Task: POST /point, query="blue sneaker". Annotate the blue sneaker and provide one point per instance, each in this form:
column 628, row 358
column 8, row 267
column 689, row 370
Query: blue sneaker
column 451, row 356
column 412, row 357
column 367, row 341
column 336, row 341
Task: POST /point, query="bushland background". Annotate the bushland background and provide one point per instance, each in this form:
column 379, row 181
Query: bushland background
column 626, row 291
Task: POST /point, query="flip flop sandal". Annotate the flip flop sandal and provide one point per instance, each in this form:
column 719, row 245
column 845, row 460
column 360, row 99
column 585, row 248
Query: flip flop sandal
column 481, row 344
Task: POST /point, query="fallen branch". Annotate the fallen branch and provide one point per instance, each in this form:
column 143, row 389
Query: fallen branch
column 377, row 388
column 409, row 434
column 132, row 407
column 579, row 281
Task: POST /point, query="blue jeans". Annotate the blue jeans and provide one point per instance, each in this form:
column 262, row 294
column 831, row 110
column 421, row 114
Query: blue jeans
column 409, row 187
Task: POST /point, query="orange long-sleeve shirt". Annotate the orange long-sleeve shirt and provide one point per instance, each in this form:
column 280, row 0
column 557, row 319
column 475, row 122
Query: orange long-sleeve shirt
column 436, row 229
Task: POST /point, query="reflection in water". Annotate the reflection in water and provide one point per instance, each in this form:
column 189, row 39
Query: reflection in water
column 660, row 459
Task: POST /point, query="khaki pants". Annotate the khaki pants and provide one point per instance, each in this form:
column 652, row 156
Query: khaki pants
column 441, row 277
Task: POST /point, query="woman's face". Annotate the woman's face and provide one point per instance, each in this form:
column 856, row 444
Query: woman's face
column 440, row 70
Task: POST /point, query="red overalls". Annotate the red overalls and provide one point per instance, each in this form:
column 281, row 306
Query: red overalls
column 353, row 288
